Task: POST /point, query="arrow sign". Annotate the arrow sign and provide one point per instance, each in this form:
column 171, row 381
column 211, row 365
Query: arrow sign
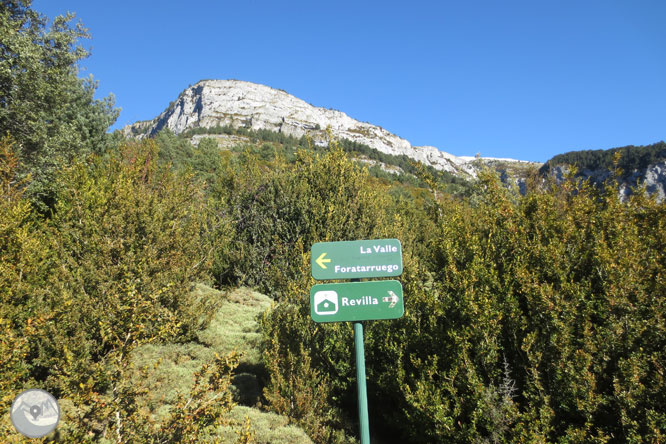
column 321, row 261
column 356, row 301
column 356, row 259
column 392, row 298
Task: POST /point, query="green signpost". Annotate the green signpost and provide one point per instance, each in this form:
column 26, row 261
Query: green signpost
column 356, row 259
column 357, row 301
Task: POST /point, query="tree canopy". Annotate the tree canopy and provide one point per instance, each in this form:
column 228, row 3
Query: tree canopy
column 48, row 110
column 631, row 158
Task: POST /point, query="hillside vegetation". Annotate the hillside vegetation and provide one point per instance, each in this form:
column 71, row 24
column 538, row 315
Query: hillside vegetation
column 129, row 280
column 406, row 170
column 631, row 158
column 528, row 318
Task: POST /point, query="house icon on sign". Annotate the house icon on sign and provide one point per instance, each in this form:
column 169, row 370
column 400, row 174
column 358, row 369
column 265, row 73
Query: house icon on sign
column 326, row 302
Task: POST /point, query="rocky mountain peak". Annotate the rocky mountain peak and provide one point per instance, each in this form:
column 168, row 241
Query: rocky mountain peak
column 236, row 103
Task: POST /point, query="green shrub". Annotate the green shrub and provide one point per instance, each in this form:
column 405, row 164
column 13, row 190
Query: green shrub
column 528, row 319
column 111, row 269
column 278, row 210
column 537, row 321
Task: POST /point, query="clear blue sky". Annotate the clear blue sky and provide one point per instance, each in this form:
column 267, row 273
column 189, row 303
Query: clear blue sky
column 521, row 79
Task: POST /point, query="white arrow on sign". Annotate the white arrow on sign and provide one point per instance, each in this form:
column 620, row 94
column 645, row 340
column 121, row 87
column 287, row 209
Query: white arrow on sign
column 392, row 298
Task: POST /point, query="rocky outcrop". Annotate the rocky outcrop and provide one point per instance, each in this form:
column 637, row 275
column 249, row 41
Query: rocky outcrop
column 653, row 178
column 236, row 103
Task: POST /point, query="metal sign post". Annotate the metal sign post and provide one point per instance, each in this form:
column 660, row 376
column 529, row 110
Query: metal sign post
column 357, row 301
column 360, row 383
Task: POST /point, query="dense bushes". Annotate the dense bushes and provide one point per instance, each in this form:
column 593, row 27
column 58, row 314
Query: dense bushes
column 535, row 318
column 280, row 209
column 529, row 319
column 542, row 323
column 111, row 269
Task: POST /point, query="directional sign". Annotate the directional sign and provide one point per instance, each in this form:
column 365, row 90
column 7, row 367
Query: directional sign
column 356, row 301
column 356, row 259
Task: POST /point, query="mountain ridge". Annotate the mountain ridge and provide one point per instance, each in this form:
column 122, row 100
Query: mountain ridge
column 238, row 103
column 214, row 104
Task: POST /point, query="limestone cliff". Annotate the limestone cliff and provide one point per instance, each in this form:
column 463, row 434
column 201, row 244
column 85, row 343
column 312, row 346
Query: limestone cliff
column 652, row 177
column 236, row 103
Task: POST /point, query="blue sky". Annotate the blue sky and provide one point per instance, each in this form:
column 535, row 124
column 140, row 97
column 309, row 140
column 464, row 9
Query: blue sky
column 520, row 79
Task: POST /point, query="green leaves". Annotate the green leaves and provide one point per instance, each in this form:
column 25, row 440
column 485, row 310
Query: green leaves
column 528, row 319
column 132, row 239
column 111, row 270
column 50, row 112
column 563, row 285
column 278, row 210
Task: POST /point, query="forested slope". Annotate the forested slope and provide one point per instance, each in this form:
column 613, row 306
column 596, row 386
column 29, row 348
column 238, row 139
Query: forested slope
column 630, row 158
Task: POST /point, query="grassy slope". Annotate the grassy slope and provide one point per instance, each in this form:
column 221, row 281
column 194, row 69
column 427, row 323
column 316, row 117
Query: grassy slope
column 170, row 367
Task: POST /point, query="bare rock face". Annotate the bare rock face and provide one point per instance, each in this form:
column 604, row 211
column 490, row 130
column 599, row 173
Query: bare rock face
column 652, row 178
column 236, row 103
column 655, row 180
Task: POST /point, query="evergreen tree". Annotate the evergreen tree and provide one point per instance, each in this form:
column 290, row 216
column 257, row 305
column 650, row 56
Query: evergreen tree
column 49, row 111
